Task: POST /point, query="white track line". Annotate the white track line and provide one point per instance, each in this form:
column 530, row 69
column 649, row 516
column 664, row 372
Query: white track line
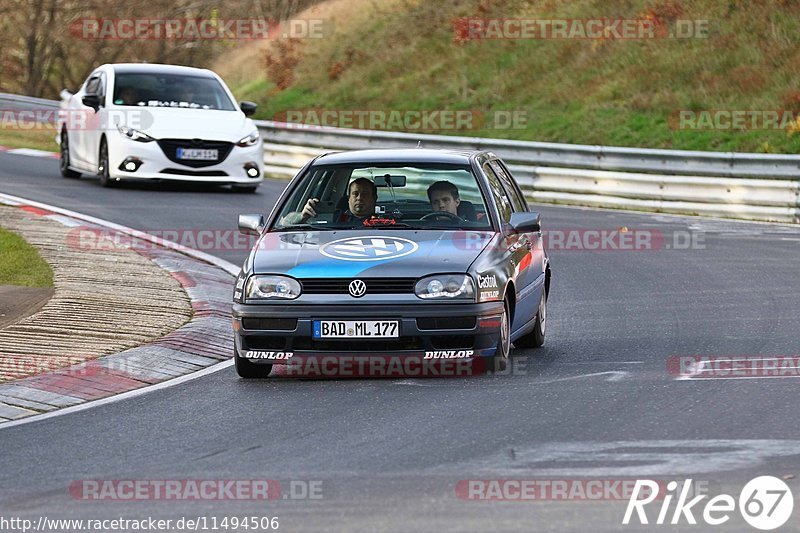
column 31, row 152
column 119, row 397
column 614, row 375
column 230, row 268
column 196, row 254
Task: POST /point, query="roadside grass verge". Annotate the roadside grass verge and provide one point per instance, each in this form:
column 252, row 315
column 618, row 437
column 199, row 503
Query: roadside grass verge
column 37, row 139
column 21, row 264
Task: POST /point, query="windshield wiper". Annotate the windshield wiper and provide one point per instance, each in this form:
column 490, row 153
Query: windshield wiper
column 298, row 227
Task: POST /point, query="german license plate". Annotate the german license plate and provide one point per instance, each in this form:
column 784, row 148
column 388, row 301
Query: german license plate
column 198, row 154
column 356, row 329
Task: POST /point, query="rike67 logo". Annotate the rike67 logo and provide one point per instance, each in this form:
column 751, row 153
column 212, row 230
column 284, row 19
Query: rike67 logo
column 766, row 503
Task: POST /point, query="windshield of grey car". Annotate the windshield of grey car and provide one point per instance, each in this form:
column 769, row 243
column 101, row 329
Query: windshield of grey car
column 425, row 196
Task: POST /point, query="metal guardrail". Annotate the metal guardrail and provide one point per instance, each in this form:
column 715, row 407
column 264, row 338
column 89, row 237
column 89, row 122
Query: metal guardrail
column 748, row 186
column 25, row 103
column 680, row 162
column 736, row 185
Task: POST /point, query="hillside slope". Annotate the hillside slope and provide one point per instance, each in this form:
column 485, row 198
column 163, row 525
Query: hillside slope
column 406, row 55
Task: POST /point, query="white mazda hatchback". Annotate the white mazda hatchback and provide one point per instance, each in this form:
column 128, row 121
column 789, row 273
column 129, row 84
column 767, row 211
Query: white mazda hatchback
column 134, row 121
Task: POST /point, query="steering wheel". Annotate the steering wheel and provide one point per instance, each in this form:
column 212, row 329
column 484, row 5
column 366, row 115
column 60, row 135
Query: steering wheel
column 442, row 214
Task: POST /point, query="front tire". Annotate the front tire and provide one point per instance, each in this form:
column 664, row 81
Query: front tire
column 64, row 159
column 102, row 166
column 504, row 342
column 248, row 370
column 535, row 338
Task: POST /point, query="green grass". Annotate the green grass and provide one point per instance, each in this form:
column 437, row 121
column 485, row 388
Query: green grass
column 611, row 92
column 37, row 139
column 21, row 264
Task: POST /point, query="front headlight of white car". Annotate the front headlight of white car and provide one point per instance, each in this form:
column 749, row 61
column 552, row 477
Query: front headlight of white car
column 134, row 135
column 262, row 287
column 250, row 140
column 446, row 287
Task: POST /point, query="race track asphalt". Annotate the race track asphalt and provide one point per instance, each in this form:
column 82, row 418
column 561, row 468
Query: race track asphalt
column 597, row 402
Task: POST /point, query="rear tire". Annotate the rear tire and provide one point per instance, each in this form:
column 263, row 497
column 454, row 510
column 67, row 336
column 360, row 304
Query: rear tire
column 248, row 370
column 504, row 342
column 64, row 159
column 102, row 166
column 535, row 338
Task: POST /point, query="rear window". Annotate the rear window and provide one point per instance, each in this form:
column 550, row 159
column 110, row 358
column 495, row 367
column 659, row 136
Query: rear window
column 147, row 89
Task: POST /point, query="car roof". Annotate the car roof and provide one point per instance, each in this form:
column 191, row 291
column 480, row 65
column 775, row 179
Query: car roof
column 397, row 155
column 123, row 68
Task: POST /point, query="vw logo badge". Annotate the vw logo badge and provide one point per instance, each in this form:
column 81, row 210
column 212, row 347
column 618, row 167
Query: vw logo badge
column 357, row 288
column 368, row 248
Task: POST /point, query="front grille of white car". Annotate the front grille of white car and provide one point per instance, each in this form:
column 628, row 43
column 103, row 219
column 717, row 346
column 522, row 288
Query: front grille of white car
column 170, row 149
column 197, row 173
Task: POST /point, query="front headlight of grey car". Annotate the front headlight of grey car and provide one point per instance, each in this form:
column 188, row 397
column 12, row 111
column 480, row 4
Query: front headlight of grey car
column 446, row 287
column 272, row 288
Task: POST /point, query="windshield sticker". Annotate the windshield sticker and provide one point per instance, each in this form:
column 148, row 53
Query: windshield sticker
column 173, row 103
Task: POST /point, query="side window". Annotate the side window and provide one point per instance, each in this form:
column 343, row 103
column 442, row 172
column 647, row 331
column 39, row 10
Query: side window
column 516, row 199
column 101, row 86
column 503, row 203
column 93, row 85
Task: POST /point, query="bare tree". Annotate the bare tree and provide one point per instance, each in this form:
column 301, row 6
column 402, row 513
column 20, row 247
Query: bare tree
column 41, row 52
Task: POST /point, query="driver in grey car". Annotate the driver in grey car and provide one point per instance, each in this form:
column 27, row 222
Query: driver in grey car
column 443, row 196
column 362, row 196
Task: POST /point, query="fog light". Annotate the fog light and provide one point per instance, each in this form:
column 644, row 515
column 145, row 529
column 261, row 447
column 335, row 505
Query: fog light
column 131, row 164
column 252, row 170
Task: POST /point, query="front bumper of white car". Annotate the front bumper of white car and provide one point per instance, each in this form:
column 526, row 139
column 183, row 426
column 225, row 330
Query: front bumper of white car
column 131, row 160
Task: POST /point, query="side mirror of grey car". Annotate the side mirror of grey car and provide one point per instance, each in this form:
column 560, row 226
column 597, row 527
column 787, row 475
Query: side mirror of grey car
column 525, row 222
column 252, row 224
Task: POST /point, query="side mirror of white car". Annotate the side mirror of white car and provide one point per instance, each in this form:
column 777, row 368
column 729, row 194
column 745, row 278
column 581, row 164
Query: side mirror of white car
column 248, row 108
column 91, row 100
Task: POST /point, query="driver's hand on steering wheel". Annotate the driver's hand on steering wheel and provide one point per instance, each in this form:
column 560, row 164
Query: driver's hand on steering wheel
column 308, row 210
